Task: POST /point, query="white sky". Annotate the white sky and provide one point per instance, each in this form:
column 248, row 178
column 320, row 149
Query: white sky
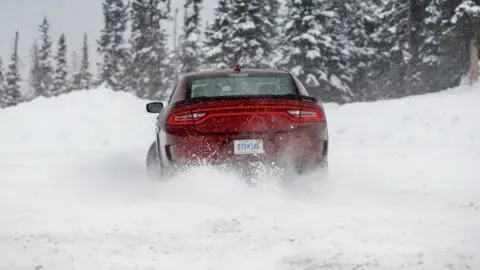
column 72, row 17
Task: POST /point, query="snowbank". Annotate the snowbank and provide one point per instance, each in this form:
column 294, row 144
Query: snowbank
column 103, row 119
column 82, row 120
column 445, row 118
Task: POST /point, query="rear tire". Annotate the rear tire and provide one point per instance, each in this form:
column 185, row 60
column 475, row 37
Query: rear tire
column 154, row 166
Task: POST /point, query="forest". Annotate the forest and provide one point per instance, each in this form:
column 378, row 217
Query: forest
column 343, row 51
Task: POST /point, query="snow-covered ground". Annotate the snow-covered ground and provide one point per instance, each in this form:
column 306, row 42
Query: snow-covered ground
column 403, row 192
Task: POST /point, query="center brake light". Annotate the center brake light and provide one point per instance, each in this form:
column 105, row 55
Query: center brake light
column 237, row 68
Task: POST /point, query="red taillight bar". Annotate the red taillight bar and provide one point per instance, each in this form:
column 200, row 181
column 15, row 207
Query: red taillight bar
column 198, row 117
column 307, row 115
column 184, row 118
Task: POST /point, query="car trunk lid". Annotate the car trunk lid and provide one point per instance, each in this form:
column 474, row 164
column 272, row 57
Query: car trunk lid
column 246, row 115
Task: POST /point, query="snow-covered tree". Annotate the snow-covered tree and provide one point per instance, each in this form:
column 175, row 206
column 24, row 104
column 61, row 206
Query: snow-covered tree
column 45, row 60
column 13, row 95
column 148, row 40
column 35, row 78
column 217, row 52
column 75, row 72
column 273, row 8
column 190, row 52
column 2, row 90
column 139, row 44
column 358, row 22
column 112, row 46
column 315, row 51
column 250, row 34
column 85, row 76
column 388, row 69
column 273, row 15
column 299, row 45
column 60, row 82
column 444, row 55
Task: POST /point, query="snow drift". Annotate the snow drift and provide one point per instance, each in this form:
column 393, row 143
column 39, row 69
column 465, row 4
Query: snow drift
column 402, row 193
column 82, row 120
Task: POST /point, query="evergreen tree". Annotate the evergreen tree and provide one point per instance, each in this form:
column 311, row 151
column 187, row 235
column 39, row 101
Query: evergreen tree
column 444, row 55
column 273, row 7
column 2, row 90
column 388, row 73
column 190, row 58
column 139, row 43
column 60, row 83
column 218, row 53
column 85, row 77
column 111, row 45
column 299, row 47
column 422, row 47
column 250, row 34
column 35, row 79
column 13, row 95
column 75, row 72
column 272, row 13
column 358, row 23
column 45, row 61
column 313, row 50
column 147, row 69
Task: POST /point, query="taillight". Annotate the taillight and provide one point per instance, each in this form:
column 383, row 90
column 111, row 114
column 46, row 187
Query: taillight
column 184, row 118
column 307, row 115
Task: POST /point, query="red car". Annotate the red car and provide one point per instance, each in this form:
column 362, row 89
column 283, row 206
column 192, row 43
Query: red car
column 238, row 117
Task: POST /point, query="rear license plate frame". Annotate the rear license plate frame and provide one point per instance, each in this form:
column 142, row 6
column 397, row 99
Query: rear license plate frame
column 248, row 147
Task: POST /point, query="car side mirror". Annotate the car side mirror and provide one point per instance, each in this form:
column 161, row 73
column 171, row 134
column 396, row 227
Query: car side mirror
column 154, row 107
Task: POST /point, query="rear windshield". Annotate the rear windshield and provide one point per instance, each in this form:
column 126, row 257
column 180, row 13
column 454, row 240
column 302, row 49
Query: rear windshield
column 241, row 84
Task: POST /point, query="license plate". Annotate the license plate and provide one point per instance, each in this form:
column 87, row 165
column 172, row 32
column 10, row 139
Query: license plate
column 245, row 147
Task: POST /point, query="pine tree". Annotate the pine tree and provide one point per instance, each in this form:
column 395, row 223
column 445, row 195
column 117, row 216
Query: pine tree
column 275, row 15
column 35, row 79
column 191, row 54
column 85, row 77
column 2, row 90
column 444, row 55
column 250, row 34
column 45, row 61
column 314, row 50
column 75, row 72
column 13, row 95
column 272, row 13
column 388, row 73
column 82, row 78
column 139, row 44
column 60, row 83
column 273, row 7
column 217, row 51
column 111, row 45
column 355, row 29
column 299, row 48
column 149, row 60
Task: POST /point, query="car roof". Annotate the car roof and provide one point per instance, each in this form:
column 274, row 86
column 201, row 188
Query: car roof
column 251, row 71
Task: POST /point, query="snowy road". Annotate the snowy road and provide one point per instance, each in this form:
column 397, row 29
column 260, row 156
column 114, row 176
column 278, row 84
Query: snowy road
column 403, row 193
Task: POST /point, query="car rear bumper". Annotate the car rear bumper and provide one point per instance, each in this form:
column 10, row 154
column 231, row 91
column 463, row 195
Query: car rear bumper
column 301, row 147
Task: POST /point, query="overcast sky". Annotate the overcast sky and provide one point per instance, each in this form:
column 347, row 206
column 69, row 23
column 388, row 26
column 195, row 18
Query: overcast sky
column 72, row 17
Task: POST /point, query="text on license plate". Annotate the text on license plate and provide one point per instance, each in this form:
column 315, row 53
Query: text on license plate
column 248, row 147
